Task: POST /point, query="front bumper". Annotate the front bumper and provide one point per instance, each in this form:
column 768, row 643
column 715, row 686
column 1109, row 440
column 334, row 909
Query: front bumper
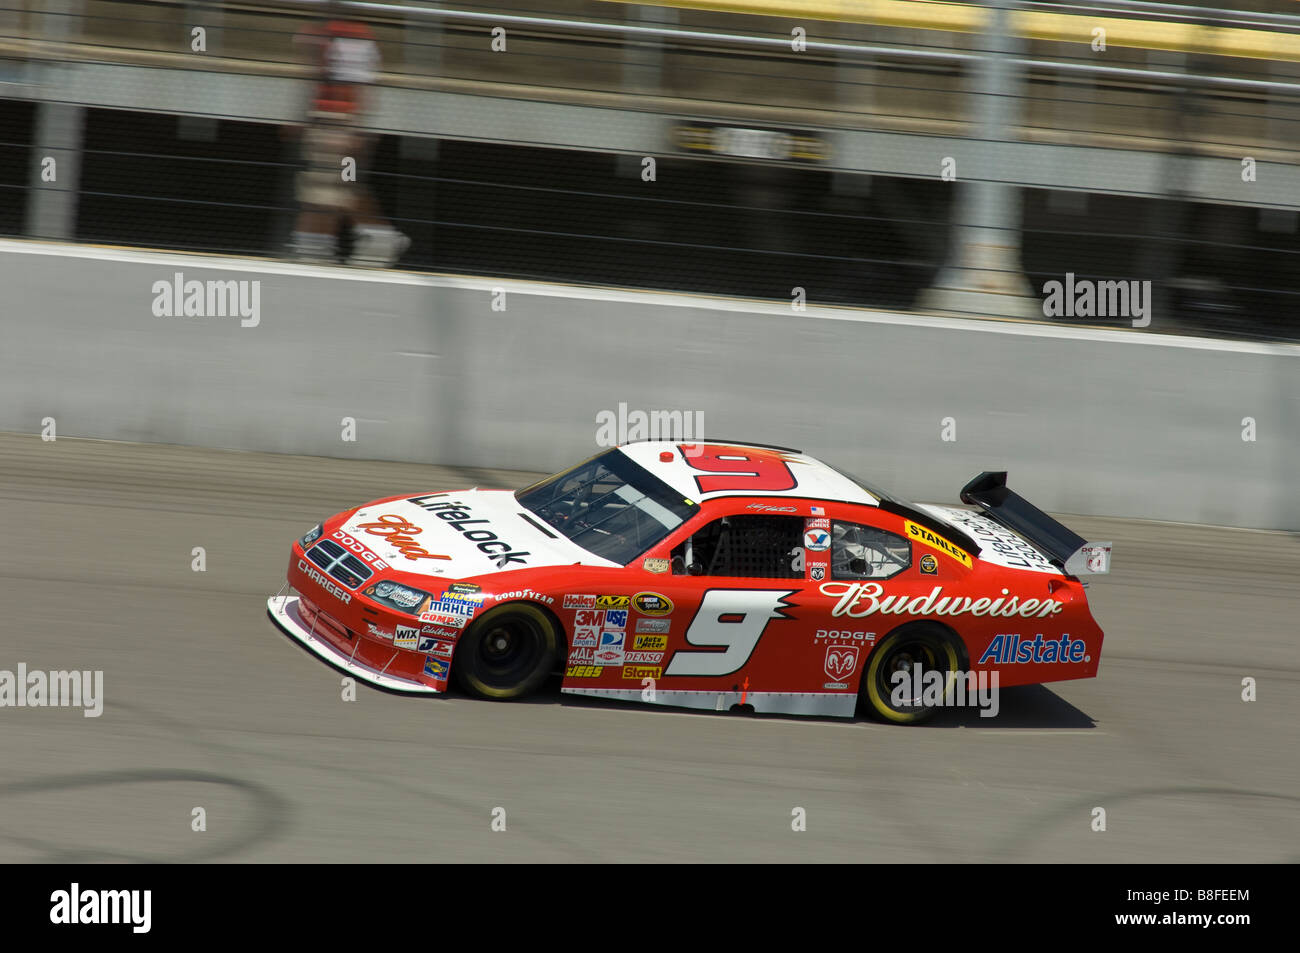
column 284, row 612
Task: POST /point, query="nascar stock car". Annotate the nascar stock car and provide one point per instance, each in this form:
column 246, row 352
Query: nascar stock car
column 708, row 575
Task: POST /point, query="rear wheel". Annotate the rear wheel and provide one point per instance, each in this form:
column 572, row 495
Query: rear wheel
column 900, row 664
column 507, row 652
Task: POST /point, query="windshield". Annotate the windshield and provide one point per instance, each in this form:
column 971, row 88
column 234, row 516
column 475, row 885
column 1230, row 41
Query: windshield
column 609, row 506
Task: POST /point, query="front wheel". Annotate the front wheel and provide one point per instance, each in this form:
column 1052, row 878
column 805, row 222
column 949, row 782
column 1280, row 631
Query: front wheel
column 507, row 653
column 900, row 665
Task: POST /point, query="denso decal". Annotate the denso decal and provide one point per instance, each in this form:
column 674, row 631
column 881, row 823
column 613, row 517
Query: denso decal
column 349, row 543
column 652, row 603
column 324, row 582
column 1010, row 650
column 457, row 516
column 399, row 533
column 644, row 658
column 935, row 541
column 860, row 599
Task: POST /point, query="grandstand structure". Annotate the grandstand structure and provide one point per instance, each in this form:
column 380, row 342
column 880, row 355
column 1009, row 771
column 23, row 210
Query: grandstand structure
column 939, row 156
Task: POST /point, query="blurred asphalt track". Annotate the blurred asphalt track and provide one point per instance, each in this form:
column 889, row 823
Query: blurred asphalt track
column 207, row 704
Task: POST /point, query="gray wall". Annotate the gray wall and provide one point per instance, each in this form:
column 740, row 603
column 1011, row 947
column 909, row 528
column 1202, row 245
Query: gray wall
column 1088, row 421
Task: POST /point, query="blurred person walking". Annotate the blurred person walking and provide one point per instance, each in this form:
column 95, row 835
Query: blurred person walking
column 345, row 58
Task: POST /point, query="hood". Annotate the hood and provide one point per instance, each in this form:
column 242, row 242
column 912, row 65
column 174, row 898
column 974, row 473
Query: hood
column 998, row 545
column 462, row 534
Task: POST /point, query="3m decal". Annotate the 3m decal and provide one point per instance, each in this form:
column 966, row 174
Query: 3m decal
column 726, row 629
column 935, row 541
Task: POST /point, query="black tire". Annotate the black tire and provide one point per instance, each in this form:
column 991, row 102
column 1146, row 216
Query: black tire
column 928, row 646
column 507, row 653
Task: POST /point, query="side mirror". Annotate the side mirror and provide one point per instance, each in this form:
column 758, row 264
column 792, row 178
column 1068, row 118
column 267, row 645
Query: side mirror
column 696, row 569
column 858, row 566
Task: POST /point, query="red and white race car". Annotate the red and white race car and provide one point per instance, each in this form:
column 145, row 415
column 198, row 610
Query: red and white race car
column 707, row 575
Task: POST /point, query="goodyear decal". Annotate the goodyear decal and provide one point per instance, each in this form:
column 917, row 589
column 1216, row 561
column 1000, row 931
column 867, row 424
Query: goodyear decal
column 935, row 541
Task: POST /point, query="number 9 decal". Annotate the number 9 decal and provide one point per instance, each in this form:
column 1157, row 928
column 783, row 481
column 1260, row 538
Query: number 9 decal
column 739, row 469
column 732, row 620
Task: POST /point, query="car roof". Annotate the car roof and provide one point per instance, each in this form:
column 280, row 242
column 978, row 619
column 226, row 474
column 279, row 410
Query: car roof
column 669, row 460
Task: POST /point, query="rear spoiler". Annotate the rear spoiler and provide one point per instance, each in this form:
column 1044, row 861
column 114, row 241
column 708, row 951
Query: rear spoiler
column 1075, row 555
